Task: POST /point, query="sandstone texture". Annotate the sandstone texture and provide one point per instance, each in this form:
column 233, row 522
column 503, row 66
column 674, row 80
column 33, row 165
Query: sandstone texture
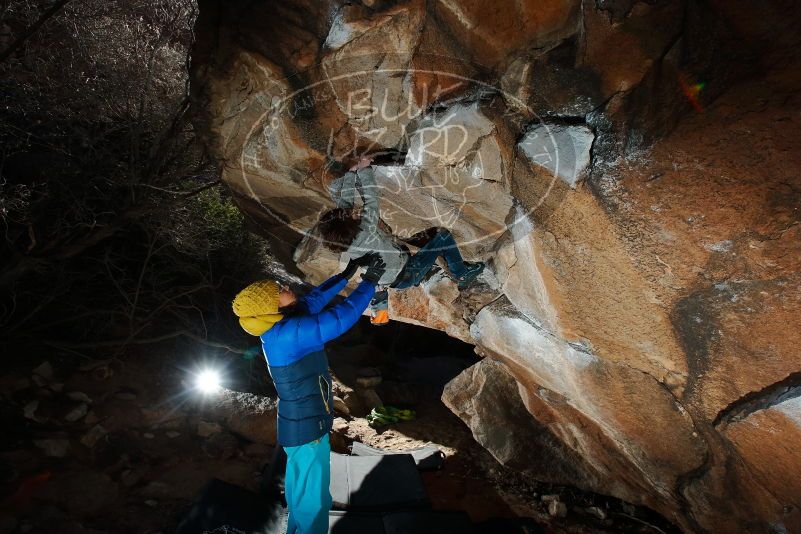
column 252, row 417
column 628, row 170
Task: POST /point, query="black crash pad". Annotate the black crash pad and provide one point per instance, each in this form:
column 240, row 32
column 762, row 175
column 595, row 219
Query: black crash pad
column 403, row 522
column 225, row 508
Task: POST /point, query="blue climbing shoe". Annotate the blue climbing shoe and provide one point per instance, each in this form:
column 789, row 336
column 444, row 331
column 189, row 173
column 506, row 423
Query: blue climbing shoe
column 472, row 270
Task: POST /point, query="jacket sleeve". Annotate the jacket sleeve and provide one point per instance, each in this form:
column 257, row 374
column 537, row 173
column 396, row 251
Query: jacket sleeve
column 343, row 190
column 320, row 296
column 368, row 190
column 335, row 321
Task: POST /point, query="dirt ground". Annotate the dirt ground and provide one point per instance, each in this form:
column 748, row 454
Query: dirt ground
column 122, row 446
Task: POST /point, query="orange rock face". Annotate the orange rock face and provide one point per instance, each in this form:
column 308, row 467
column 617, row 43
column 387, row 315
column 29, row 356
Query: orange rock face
column 491, row 31
column 765, row 440
column 631, row 183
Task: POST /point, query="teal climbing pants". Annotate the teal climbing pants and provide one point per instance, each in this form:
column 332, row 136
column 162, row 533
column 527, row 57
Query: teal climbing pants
column 308, row 475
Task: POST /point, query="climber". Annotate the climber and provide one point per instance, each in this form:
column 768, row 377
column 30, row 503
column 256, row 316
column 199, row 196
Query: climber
column 355, row 236
column 293, row 332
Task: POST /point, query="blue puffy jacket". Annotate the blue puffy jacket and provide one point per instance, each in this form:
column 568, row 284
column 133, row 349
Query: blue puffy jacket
column 295, row 352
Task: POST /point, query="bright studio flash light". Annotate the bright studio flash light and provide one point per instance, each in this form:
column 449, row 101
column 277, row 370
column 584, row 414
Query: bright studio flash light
column 208, row 381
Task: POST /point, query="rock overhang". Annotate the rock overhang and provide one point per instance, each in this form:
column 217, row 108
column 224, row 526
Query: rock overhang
column 581, row 302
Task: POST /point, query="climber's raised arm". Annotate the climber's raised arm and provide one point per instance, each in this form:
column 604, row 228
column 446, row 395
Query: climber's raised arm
column 318, row 298
column 326, row 325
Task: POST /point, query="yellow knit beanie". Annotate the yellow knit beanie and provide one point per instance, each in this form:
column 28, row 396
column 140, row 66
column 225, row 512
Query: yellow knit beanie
column 257, row 307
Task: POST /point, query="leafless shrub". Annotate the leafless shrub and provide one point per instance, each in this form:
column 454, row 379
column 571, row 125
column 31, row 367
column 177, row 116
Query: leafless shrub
column 115, row 228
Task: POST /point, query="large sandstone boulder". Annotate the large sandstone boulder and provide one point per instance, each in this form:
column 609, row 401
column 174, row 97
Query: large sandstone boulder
column 486, row 398
column 638, row 208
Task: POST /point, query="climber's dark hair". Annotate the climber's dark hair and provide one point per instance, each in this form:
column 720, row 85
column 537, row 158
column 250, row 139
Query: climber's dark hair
column 338, row 228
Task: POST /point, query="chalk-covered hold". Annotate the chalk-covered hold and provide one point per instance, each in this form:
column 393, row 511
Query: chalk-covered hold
column 562, row 150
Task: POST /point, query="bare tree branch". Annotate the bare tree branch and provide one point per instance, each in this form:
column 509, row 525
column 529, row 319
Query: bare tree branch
column 19, row 41
column 124, row 232
column 142, row 341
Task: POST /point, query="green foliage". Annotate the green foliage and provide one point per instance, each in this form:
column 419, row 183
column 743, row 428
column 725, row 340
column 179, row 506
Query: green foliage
column 210, row 221
column 210, row 228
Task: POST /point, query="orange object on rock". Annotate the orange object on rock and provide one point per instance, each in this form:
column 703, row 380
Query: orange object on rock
column 380, row 318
